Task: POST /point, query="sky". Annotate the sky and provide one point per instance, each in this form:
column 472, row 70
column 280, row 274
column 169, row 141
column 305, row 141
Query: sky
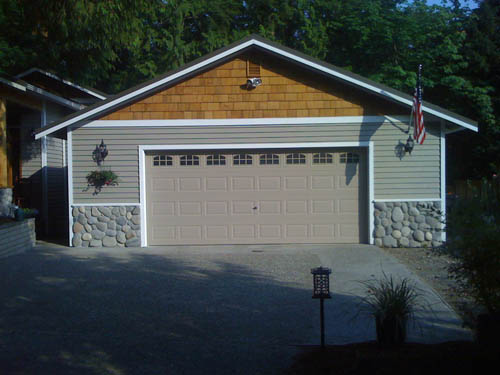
column 470, row 3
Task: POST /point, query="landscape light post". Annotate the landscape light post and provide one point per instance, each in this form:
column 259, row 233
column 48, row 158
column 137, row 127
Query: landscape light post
column 321, row 290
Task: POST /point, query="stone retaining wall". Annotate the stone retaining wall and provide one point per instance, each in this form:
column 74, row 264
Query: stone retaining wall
column 106, row 226
column 17, row 237
column 408, row 224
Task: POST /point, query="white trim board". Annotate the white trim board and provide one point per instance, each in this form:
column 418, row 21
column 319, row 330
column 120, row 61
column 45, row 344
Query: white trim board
column 229, row 146
column 240, row 47
column 104, row 204
column 443, row 177
column 247, row 146
column 249, row 121
column 407, row 200
column 69, row 137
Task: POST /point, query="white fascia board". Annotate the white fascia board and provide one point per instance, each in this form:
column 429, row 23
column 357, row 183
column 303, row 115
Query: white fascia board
column 248, row 121
column 55, row 98
column 147, row 88
column 363, row 84
column 13, row 84
column 231, row 51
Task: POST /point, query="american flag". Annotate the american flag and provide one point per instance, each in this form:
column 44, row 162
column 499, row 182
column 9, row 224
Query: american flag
column 418, row 117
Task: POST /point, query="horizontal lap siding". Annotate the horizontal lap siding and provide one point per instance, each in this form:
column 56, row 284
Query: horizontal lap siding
column 414, row 176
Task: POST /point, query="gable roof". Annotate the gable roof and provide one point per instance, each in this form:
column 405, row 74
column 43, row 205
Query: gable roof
column 252, row 41
column 64, row 87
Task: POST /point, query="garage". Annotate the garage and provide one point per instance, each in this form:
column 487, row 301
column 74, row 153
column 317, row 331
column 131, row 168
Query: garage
column 256, row 196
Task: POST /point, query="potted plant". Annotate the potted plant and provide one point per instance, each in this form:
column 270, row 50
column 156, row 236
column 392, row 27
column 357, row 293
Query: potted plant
column 392, row 304
column 100, row 178
column 25, row 213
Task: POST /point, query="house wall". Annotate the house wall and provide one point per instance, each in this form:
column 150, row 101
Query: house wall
column 413, row 176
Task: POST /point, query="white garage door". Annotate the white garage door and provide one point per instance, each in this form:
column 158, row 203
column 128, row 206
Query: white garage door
column 248, row 197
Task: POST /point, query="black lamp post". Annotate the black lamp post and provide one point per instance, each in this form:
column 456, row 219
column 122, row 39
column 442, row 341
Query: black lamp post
column 321, row 290
column 100, row 153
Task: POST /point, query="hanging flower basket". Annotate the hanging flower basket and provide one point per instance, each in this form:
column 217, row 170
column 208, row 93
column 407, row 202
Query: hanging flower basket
column 100, row 178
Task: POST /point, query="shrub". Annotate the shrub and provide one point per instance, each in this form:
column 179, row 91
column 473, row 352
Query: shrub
column 473, row 231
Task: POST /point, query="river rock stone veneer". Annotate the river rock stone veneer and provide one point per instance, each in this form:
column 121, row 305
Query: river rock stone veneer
column 408, row 224
column 106, row 226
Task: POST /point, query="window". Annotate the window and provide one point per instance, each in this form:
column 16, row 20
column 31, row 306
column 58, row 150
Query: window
column 216, row 160
column 190, row 160
column 349, row 157
column 162, row 160
column 269, row 159
column 242, row 159
column 323, row 158
column 296, row 158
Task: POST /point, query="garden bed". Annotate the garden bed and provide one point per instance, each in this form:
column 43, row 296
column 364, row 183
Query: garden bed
column 370, row 358
column 16, row 236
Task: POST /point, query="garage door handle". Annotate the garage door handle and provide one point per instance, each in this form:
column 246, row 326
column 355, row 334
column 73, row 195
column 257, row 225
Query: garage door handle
column 255, row 208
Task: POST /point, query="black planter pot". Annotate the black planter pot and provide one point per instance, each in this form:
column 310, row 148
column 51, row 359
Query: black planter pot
column 19, row 215
column 488, row 329
column 391, row 331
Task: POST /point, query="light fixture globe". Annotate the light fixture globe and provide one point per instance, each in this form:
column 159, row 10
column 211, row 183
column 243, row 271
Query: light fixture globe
column 410, row 143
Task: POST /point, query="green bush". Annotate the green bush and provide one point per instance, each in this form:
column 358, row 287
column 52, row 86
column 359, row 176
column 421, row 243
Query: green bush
column 473, row 232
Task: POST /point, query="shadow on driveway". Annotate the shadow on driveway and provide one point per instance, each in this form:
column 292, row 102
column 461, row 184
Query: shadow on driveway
column 64, row 313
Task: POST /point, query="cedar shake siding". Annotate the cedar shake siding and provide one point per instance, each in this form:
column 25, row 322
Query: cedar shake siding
column 286, row 91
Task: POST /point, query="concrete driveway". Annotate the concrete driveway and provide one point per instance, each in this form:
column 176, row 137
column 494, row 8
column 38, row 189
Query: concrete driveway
column 189, row 309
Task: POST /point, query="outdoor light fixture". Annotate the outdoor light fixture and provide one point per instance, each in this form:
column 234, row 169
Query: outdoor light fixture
column 410, row 143
column 100, row 153
column 321, row 290
column 253, row 83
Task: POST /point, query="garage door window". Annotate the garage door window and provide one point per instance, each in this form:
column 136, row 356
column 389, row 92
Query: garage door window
column 296, row 158
column 323, row 158
column 268, row 159
column 187, row 160
column 242, row 159
column 162, row 160
column 216, row 160
column 349, row 157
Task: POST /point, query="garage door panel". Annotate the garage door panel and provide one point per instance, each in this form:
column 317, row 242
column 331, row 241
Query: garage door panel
column 217, row 208
column 163, row 184
column 271, row 183
column 217, row 232
column 273, row 203
column 190, row 208
column 192, row 184
column 216, row 184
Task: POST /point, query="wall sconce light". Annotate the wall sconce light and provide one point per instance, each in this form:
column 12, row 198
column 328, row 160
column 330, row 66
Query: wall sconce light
column 410, row 143
column 100, row 153
column 253, row 83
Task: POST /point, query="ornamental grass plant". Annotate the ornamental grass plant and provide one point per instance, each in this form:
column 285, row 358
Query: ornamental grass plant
column 392, row 303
